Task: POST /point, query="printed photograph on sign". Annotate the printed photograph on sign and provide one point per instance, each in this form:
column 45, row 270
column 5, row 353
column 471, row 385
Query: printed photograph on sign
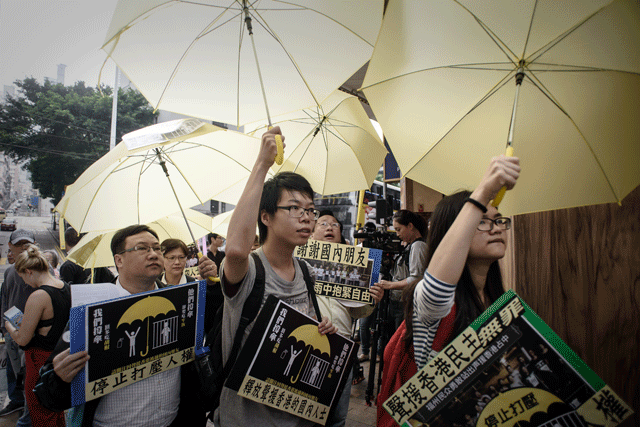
column 132, row 338
column 507, row 369
column 343, row 272
column 286, row 364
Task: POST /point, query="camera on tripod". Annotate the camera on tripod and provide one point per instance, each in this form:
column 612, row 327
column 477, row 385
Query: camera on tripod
column 391, row 247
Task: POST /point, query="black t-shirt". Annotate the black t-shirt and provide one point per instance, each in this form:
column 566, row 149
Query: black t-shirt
column 217, row 258
column 71, row 272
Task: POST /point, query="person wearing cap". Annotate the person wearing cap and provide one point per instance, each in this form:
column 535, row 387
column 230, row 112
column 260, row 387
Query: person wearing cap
column 15, row 292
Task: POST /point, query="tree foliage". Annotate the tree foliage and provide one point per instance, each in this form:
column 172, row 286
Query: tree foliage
column 60, row 130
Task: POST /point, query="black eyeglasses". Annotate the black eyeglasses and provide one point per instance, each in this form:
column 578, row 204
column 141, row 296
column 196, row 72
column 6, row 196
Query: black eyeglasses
column 297, row 211
column 143, row 248
column 486, row 224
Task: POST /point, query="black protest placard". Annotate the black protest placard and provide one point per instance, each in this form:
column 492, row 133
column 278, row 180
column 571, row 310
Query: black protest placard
column 135, row 337
column 507, row 369
column 286, row 364
column 343, row 272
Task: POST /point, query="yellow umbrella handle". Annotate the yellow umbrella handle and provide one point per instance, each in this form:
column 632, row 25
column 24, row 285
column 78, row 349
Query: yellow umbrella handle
column 280, row 155
column 503, row 190
column 210, row 278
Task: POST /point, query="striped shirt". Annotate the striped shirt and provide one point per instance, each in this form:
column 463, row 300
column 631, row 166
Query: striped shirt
column 432, row 301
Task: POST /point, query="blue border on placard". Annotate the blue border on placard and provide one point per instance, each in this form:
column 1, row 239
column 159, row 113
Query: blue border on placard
column 77, row 342
column 202, row 299
column 376, row 256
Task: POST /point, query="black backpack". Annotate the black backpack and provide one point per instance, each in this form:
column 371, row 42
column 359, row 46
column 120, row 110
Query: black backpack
column 213, row 373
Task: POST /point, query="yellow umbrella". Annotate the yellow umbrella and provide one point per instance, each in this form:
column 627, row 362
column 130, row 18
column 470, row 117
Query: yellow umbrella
column 198, row 58
column 94, row 249
column 146, row 308
column 443, row 80
column 159, row 170
column 333, row 145
column 311, row 338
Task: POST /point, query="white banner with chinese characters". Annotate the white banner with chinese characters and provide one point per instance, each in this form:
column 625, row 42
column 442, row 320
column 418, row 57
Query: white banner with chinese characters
column 343, row 272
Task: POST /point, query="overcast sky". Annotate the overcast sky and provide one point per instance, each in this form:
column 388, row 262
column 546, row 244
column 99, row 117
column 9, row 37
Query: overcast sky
column 37, row 35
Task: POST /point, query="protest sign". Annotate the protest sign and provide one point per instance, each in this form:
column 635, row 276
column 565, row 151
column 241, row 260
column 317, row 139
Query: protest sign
column 286, row 364
column 135, row 337
column 507, row 369
column 343, row 272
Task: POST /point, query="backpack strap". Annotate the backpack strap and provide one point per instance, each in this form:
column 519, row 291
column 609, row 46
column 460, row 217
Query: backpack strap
column 249, row 312
column 310, row 281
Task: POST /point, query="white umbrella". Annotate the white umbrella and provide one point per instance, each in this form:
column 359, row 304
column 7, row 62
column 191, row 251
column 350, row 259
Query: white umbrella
column 94, row 249
column 163, row 170
column 333, row 145
column 196, row 58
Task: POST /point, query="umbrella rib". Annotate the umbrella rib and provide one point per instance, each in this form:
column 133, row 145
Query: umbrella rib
column 535, row 55
column 268, row 29
column 240, row 40
column 95, row 194
column 499, row 43
column 471, row 66
column 526, row 41
column 537, row 83
column 329, row 18
column 186, row 52
column 493, row 90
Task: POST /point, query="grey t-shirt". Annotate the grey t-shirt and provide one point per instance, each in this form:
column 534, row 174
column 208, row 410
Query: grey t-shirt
column 235, row 410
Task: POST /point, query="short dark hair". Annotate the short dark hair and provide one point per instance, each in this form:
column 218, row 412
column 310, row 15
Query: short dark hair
column 71, row 236
column 212, row 236
column 117, row 242
column 272, row 191
column 170, row 244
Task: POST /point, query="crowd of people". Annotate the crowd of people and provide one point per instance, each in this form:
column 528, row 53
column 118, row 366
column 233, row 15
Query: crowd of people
column 439, row 286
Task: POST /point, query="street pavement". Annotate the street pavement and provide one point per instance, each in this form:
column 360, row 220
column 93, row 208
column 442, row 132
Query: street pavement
column 360, row 414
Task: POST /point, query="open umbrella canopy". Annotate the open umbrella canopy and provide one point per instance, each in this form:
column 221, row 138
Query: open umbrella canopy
column 94, row 249
column 333, row 145
column 129, row 185
column 442, row 84
column 196, row 58
column 220, row 223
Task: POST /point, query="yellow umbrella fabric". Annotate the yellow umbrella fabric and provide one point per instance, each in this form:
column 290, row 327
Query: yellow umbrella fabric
column 333, row 145
column 441, row 83
column 311, row 337
column 129, row 186
column 94, row 249
column 196, row 58
column 147, row 307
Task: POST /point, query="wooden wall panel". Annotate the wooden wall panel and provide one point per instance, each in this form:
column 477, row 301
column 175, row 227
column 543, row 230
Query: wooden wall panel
column 579, row 269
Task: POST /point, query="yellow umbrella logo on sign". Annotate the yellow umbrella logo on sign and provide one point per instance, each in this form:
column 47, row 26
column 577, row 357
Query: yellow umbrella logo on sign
column 146, row 308
column 309, row 335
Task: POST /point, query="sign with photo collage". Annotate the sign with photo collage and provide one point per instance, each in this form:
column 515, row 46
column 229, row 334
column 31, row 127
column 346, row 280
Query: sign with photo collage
column 507, row 369
column 343, row 272
column 286, row 364
column 135, row 337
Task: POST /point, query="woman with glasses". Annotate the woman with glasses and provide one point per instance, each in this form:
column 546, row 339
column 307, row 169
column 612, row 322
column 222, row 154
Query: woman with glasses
column 175, row 253
column 466, row 238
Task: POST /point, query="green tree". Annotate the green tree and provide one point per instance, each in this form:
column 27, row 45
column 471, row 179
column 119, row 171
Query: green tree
column 60, row 130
